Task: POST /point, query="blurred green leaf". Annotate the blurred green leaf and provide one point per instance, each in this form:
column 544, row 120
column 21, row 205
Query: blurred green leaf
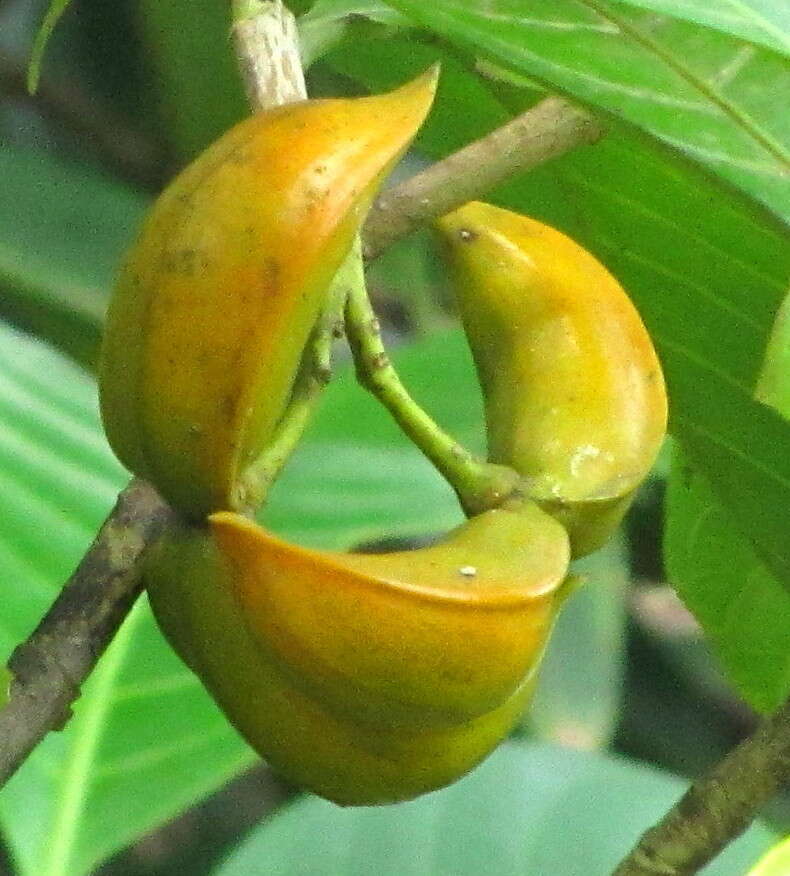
column 765, row 22
column 407, row 275
column 577, row 701
column 145, row 740
column 743, row 449
column 62, row 230
column 194, row 69
column 741, row 606
column 329, row 10
column 776, row 862
column 527, row 810
column 718, row 100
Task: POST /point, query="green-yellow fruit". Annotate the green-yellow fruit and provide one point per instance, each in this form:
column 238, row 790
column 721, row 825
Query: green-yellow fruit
column 432, row 636
column 366, row 678
column 217, row 298
column 574, row 395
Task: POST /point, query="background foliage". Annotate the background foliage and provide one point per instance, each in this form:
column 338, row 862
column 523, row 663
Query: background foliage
column 686, row 199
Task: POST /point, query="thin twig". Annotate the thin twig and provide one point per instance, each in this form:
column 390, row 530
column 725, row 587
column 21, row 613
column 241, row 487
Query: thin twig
column 480, row 485
column 315, row 373
column 718, row 807
column 50, row 667
column 267, row 50
column 547, row 130
column 119, row 147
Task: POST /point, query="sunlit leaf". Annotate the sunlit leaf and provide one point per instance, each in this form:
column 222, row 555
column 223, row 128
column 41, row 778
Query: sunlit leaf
column 765, row 22
column 717, row 99
column 775, row 862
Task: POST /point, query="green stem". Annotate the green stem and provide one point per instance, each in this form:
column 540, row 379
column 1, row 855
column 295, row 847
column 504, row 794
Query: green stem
column 314, row 374
column 480, row 485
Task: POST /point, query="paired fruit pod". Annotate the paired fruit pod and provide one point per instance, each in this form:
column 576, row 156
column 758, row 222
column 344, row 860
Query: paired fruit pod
column 574, row 394
column 216, row 300
column 367, row 678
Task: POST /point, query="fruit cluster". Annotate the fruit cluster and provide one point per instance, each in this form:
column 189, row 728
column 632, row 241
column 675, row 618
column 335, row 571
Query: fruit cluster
column 368, row 678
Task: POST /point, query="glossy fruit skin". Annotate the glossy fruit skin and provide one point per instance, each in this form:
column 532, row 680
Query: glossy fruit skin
column 574, row 394
column 215, row 301
column 400, row 691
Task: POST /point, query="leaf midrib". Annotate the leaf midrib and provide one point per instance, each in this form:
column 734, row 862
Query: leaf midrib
column 741, row 12
column 750, row 13
column 730, row 109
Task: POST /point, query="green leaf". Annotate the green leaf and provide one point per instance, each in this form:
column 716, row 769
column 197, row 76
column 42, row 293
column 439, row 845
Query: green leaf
column 716, row 99
column 765, row 22
column 331, row 10
column 62, row 231
column 577, row 701
column 535, row 809
column 740, row 605
column 743, row 448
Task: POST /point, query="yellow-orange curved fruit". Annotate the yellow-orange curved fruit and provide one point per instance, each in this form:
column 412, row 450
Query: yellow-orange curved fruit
column 574, row 394
column 434, row 636
column 366, row 678
column 216, row 299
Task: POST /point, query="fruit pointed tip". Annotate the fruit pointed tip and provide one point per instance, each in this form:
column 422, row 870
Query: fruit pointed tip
column 422, row 89
column 428, row 80
column 431, row 75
